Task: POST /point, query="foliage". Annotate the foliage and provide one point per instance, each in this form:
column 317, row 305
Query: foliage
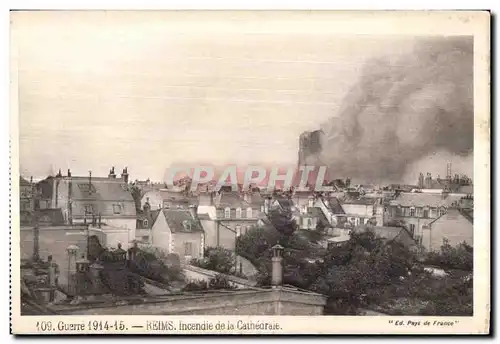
column 220, row 282
column 460, row 257
column 356, row 274
column 367, row 271
column 282, row 221
column 256, row 246
column 196, row 286
column 217, row 283
column 216, row 259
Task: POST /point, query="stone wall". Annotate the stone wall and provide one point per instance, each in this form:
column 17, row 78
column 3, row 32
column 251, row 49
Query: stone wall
column 280, row 301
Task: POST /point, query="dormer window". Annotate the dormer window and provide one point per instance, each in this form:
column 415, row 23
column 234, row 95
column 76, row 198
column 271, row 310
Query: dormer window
column 187, row 225
column 412, row 212
column 249, row 213
column 145, row 223
column 238, row 230
column 117, row 208
column 238, row 213
column 227, row 213
column 89, row 209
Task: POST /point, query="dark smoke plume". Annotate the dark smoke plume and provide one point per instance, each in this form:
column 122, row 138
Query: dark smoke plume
column 403, row 109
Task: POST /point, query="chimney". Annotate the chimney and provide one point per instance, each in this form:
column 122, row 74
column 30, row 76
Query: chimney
column 125, row 175
column 147, row 207
column 69, row 172
column 112, row 174
column 247, row 197
column 192, row 210
column 267, row 205
column 277, row 266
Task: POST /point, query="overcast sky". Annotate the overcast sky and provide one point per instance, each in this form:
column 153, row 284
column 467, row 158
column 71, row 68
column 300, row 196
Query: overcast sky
column 146, row 91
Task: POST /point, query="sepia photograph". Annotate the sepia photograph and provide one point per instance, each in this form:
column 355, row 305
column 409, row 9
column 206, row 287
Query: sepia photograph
column 234, row 164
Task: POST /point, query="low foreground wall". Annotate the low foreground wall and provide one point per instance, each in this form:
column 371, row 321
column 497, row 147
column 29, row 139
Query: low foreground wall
column 277, row 301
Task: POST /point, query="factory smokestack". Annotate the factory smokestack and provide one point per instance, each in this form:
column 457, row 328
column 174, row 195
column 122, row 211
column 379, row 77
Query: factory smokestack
column 402, row 110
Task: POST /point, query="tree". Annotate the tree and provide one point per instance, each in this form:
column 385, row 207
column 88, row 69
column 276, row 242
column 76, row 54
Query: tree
column 282, row 221
column 459, row 257
column 361, row 271
column 137, row 195
column 217, row 259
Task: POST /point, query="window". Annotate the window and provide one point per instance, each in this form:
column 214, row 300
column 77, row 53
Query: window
column 145, row 223
column 412, row 229
column 188, row 249
column 238, row 213
column 249, row 213
column 238, row 230
column 187, row 225
column 227, row 213
column 412, row 212
column 89, row 209
column 426, row 213
column 117, row 209
column 309, row 223
column 441, row 211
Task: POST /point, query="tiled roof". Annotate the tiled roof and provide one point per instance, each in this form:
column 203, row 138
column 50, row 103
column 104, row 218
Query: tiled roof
column 284, row 203
column 425, row 199
column 318, row 213
column 239, row 200
column 23, row 182
column 47, row 217
column 180, row 220
column 467, row 213
column 334, row 205
column 390, row 233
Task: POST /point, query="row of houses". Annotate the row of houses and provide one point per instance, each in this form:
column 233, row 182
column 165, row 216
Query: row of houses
column 186, row 223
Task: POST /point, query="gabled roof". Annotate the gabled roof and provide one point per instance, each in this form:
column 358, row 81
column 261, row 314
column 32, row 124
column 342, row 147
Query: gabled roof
column 416, row 199
column 284, row 203
column 333, row 204
column 229, row 199
column 317, row 213
column 100, row 189
column 181, row 220
column 398, row 234
column 467, row 213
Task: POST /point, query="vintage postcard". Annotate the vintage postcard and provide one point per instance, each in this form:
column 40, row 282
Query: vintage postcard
column 239, row 172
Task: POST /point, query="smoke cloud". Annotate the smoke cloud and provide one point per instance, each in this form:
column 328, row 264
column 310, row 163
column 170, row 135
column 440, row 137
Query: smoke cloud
column 403, row 109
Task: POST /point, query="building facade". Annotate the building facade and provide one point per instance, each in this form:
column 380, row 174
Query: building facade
column 178, row 231
column 456, row 226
